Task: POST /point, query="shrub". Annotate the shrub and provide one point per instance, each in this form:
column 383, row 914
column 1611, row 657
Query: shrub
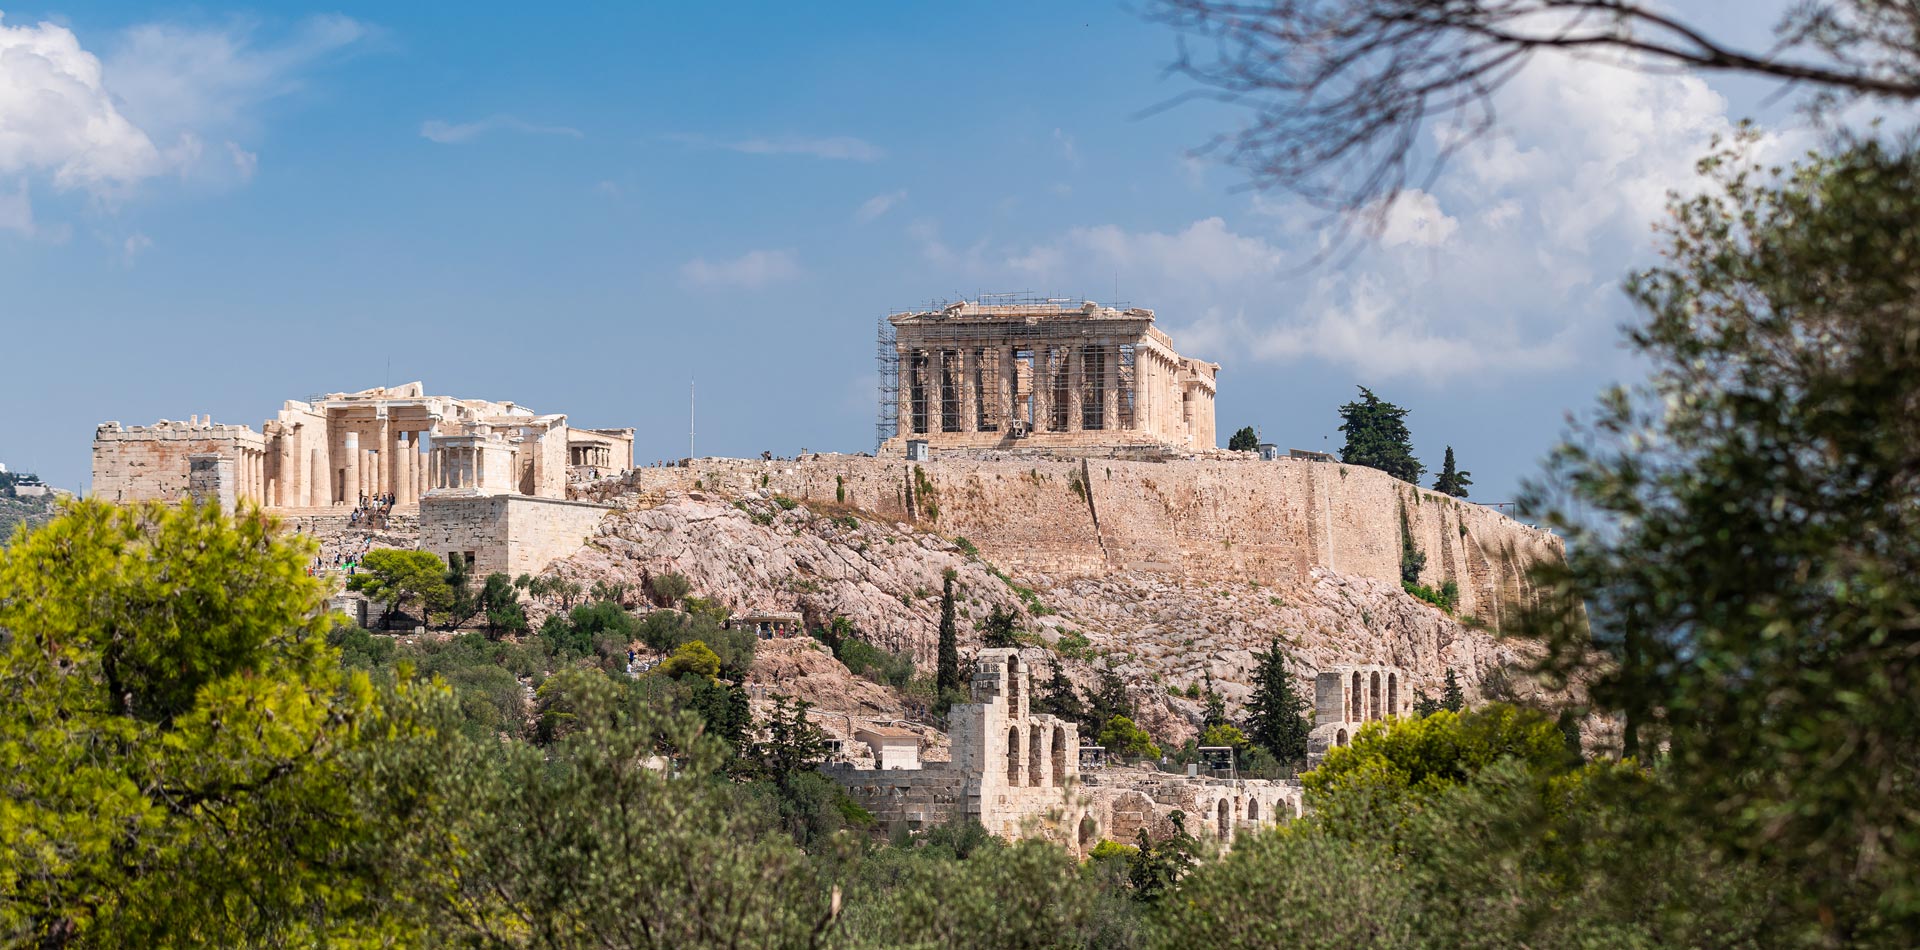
column 692, row 657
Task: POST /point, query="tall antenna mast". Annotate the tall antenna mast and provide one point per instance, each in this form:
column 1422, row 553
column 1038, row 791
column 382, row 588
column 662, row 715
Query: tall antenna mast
column 690, row 455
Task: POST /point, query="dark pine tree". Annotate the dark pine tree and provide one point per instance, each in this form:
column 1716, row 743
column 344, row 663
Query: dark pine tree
column 1110, row 699
column 1452, row 481
column 1453, row 699
column 1276, row 710
column 1058, row 697
column 947, row 671
column 1245, row 440
column 1377, row 437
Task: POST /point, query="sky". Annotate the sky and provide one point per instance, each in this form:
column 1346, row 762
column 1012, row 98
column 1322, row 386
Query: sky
column 583, row 209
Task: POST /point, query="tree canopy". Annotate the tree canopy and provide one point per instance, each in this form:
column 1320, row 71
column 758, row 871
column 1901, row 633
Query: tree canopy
column 1377, row 437
column 1452, row 481
column 1244, row 440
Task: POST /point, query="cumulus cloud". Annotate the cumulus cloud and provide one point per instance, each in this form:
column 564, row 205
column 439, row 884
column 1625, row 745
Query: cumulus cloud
column 162, row 90
column 752, row 269
column 460, row 133
column 56, row 115
column 872, row 208
column 1416, row 219
column 832, row 147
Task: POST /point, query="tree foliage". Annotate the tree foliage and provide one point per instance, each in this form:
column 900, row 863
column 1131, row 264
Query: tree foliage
column 1276, row 711
column 397, row 578
column 1377, row 437
column 1750, row 566
column 947, row 668
column 1452, row 481
column 1244, row 440
column 1124, row 740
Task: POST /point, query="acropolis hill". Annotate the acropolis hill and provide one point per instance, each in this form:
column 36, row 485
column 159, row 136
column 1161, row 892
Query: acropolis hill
column 1058, row 458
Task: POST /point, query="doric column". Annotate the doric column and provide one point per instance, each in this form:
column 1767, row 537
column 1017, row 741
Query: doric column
column 1109, row 386
column 319, row 487
column 1042, row 388
column 936, row 391
column 350, row 481
column 969, row 393
column 1009, row 376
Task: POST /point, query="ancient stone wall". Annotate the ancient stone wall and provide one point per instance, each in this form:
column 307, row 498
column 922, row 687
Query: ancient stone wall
column 1195, row 519
column 150, row 463
column 511, row 534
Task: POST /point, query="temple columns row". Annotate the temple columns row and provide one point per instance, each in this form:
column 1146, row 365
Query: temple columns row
column 966, row 370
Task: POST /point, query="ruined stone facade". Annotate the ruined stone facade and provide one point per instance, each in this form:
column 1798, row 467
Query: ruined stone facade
column 1018, row 774
column 1045, row 375
column 503, row 532
column 1346, row 698
column 333, row 450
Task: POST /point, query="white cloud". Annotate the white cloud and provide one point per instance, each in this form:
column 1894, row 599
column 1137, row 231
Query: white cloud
column 834, row 147
column 1415, row 218
column 16, row 210
column 162, row 90
column 56, row 115
column 752, row 269
column 872, row 208
column 460, row 133
column 1068, row 150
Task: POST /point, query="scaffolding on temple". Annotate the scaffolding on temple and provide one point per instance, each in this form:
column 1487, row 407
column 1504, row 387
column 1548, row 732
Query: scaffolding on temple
column 1033, row 347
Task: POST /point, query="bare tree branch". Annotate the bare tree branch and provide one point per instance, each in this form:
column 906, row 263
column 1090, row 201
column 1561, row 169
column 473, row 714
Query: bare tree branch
column 1341, row 90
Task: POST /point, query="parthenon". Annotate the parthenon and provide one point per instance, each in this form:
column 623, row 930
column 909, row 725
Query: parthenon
column 336, row 449
column 1040, row 374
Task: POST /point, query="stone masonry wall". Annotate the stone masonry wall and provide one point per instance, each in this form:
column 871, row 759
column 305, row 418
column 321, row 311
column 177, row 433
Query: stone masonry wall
column 150, row 463
column 511, row 534
column 1195, row 519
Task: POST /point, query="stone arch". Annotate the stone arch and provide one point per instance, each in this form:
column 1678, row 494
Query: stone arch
column 1355, row 700
column 1089, row 831
column 1373, row 696
column 1340, row 738
column 1131, row 811
column 1013, row 755
column 1226, row 818
column 1253, row 809
column 1060, row 754
column 1393, row 694
column 1036, row 755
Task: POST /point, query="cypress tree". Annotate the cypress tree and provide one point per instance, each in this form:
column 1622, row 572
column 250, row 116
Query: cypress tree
column 1453, row 699
column 1276, row 710
column 1452, row 481
column 947, row 674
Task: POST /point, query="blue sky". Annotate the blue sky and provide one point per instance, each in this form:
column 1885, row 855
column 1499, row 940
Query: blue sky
column 210, row 210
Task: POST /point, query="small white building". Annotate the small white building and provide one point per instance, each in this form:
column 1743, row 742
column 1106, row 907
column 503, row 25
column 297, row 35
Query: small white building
column 893, row 748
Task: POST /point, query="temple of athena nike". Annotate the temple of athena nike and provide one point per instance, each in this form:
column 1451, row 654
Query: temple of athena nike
column 1048, row 375
column 341, row 448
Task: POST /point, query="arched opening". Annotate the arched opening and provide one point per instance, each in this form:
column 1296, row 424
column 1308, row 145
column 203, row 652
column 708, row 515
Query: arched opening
column 1036, row 756
column 1013, row 756
column 1226, row 819
column 1340, row 738
column 1089, row 831
column 1355, row 699
column 1059, row 755
column 1393, row 694
column 1373, row 696
column 1253, row 809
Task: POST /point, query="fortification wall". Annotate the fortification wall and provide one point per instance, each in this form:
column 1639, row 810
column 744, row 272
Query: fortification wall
column 1196, row 519
column 150, row 463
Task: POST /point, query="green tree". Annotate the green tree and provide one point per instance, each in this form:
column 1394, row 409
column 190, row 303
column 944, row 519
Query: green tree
column 1452, row 481
column 692, row 657
column 1748, row 531
column 1245, row 440
column 461, row 604
column 1058, row 697
column 790, row 741
column 1453, row 699
column 1001, row 629
column 667, row 589
column 1109, row 699
column 947, row 669
column 1157, row 865
column 502, row 606
column 1122, row 739
column 397, row 578
column 1276, row 712
column 1377, row 437
column 1213, row 706
column 171, row 727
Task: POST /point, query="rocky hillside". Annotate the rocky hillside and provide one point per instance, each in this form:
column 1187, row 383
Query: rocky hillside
column 1161, row 632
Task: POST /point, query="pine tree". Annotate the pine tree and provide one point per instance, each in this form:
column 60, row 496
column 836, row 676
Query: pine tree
column 1108, row 701
column 1058, row 697
column 1424, row 705
column 1245, row 440
column 1452, row 481
column 1453, row 699
column 947, row 674
column 1216, row 706
column 1377, row 437
column 1276, row 711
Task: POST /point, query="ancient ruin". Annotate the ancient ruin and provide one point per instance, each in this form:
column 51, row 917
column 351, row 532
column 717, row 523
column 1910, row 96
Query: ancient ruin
column 1040, row 375
column 1347, row 698
column 341, row 448
column 1018, row 774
